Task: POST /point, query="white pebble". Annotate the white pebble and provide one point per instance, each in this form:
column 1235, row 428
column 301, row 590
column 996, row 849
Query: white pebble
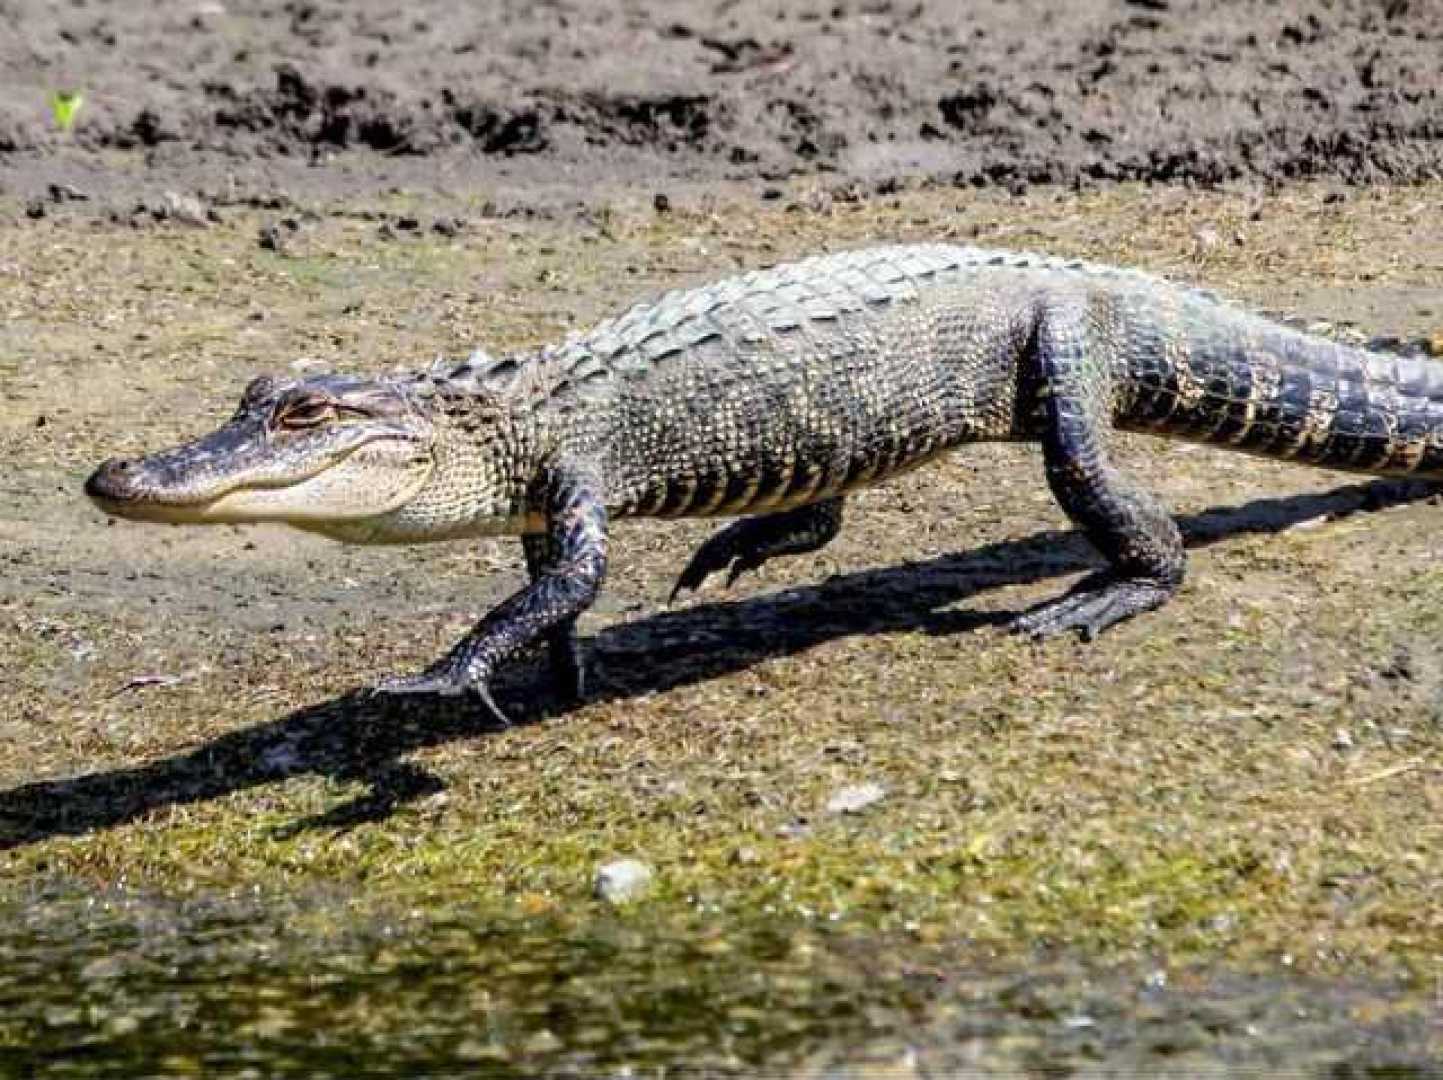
column 623, row 880
column 855, row 799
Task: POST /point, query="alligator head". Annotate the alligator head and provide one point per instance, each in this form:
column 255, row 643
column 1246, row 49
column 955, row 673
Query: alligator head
column 306, row 452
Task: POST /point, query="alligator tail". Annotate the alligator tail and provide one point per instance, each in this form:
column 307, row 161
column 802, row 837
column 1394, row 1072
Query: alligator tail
column 1219, row 375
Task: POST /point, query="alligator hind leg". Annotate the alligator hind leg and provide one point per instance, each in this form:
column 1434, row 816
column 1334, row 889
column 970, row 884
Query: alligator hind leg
column 746, row 544
column 562, row 643
column 1123, row 520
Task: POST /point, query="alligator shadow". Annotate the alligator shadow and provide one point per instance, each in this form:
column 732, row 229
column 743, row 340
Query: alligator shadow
column 361, row 737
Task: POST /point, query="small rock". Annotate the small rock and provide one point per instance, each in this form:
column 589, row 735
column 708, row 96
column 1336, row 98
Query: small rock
column 543, row 1042
column 272, row 238
column 872, row 1065
column 622, row 881
column 448, row 226
column 661, row 202
column 1207, row 239
column 1342, row 739
column 35, row 209
column 186, row 209
column 745, row 856
column 855, row 798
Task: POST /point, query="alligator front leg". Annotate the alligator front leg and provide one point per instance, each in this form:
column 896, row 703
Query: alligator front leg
column 565, row 586
column 746, row 544
column 564, row 647
column 1123, row 520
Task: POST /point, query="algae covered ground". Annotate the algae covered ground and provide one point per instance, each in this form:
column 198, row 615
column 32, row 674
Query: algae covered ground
column 1210, row 840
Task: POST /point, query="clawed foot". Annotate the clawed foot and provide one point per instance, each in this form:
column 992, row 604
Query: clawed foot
column 745, row 545
column 1097, row 603
column 445, row 679
column 441, row 682
column 721, row 552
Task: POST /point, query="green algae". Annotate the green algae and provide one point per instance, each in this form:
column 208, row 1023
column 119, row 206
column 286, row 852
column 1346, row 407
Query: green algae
column 316, row 984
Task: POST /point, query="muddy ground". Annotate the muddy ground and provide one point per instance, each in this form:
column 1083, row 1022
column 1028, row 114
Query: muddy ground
column 1245, row 785
column 538, row 103
column 1209, row 841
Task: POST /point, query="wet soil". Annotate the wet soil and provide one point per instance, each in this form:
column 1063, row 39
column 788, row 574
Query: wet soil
column 539, row 103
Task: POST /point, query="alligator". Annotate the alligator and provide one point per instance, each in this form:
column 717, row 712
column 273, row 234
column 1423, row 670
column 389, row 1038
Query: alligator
column 775, row 394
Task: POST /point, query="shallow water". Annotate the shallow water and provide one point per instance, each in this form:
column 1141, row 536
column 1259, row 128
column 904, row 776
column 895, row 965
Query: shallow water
column 323, row 985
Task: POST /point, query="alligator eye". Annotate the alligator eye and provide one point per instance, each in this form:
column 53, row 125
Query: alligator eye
column 304, row 414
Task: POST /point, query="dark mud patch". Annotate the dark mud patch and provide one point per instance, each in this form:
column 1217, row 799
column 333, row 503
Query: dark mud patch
column 527, row 98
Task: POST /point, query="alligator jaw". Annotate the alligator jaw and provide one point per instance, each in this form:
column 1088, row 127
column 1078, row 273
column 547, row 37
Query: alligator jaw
column 352, row 483
column 117, row 488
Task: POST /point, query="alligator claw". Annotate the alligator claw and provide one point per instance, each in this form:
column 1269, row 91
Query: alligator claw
column 692, row 577
column 717, row 554
column 441, row 684
column 745, row 563
column 482, row 691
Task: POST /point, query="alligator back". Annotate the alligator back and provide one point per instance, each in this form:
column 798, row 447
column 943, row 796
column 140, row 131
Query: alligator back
column 789, row 385
column 801, row 382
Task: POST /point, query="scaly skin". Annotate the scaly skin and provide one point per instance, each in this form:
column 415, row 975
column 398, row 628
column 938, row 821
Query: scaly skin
column 777, row 393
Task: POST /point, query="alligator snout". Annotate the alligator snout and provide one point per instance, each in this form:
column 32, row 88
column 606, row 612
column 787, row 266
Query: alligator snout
column 114, row 481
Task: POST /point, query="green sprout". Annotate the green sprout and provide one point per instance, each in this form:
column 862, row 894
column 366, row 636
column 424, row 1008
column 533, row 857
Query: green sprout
column 65, row 107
